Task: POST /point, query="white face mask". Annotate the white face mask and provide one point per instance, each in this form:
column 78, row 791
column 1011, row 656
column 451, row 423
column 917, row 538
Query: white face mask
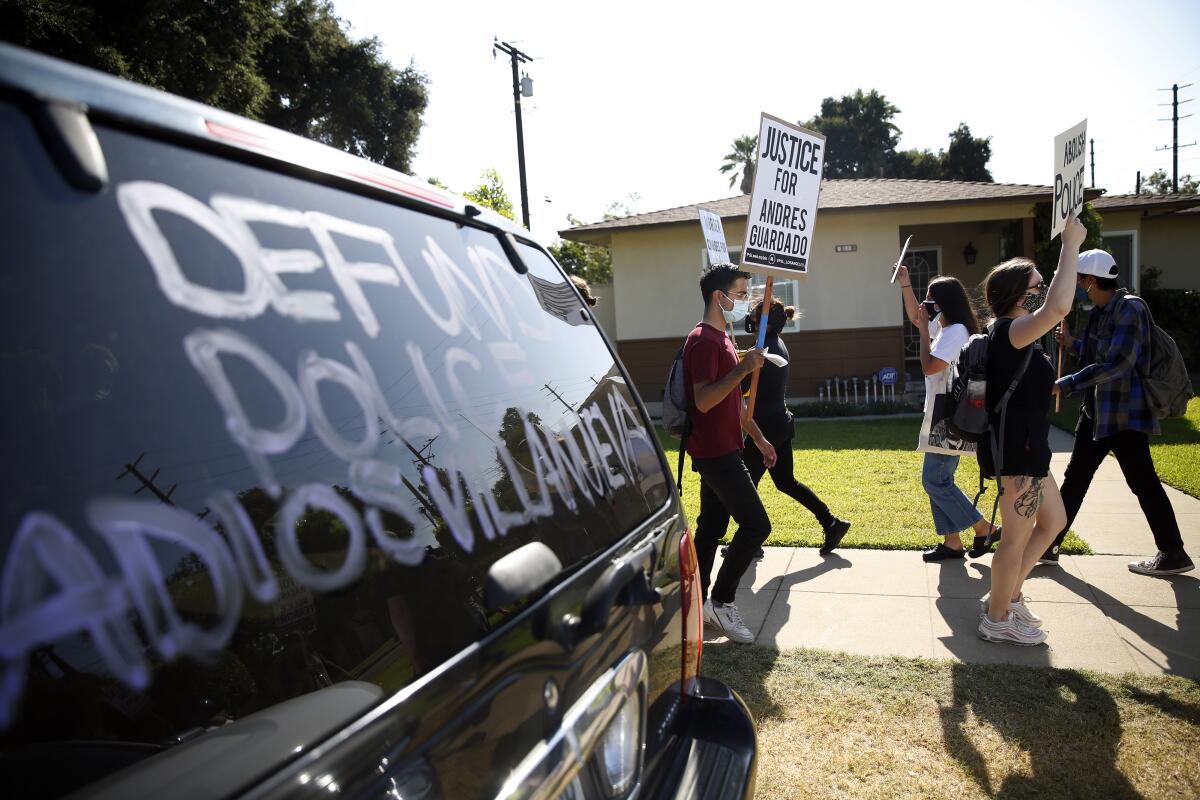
column 739, row 311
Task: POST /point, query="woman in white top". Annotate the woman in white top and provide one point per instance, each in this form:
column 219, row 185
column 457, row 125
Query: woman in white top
column 945, row 321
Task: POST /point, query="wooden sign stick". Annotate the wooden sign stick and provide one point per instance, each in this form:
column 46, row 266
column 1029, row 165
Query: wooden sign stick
column 762, row 340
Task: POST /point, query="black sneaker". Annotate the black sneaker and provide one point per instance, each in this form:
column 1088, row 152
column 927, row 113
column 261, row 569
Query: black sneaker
column 984, row 544
column 758, row 556
column 1176, row 563
column 942, row 553
column 1050, row 557
column 834, row 532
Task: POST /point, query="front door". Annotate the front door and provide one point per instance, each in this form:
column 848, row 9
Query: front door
column 924, row 264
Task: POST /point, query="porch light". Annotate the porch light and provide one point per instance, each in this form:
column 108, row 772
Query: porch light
column 969, row 253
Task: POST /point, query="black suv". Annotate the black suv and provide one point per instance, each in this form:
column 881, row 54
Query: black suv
column 318, row 481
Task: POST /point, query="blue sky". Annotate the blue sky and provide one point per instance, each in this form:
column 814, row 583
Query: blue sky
column 646, row 98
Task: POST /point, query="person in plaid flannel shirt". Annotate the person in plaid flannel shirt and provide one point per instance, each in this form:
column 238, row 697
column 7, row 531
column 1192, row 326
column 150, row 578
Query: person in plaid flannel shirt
column 1115, row 417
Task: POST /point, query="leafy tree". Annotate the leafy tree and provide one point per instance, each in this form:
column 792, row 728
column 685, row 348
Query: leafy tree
column 1046, row 250
column 491, row 193
column 919, row 164
column 859, row 134
column 621, row 208
column 966, row 158
column 1160, row 183
column 861, row 140
column 591, row 262
column 287, row 62
column 341, row 92
column 741, row 162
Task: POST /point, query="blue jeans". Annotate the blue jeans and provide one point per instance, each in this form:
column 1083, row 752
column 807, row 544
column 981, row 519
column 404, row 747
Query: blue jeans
column 952, row 510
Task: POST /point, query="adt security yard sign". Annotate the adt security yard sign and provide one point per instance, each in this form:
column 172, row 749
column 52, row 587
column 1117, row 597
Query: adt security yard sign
column 783, row 205
column 888, row 376
column 714, row 237
column 1070, row 157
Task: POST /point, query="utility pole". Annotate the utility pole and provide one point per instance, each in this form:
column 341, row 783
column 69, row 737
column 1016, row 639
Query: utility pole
column 1137, row 187
column 558, row 397
column 1174, row 148
column 147, row 482
column 517, row 58
column 1092, row 148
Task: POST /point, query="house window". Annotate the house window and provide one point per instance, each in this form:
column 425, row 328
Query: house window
column 787, row 292
column 735, row 257
column 1123, row 246
column 924, row 264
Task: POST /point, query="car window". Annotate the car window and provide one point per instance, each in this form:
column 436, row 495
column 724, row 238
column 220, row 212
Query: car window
column 264, row 437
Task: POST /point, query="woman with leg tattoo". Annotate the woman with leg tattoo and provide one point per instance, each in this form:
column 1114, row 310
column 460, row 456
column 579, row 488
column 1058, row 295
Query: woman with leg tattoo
column 1030, row 506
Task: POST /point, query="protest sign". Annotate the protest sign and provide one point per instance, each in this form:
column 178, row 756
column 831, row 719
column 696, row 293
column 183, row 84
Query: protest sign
column 783, row 204
column 1070, row 159
column 714, row 237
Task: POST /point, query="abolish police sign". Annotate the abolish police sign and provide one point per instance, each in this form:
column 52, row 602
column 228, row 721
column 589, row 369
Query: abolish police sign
column 714, row 237
column 1070, row 150
column 783, row 205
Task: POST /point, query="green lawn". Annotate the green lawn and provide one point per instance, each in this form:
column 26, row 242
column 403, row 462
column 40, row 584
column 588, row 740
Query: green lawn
column 867, row 472
column 844, row 726
column 1176, row 453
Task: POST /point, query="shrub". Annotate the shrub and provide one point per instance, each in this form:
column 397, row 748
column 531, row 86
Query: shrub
column 1175, row 311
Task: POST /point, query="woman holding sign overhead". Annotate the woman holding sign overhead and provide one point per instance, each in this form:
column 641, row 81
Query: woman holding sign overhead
column 1019, row 374
column 945, row 321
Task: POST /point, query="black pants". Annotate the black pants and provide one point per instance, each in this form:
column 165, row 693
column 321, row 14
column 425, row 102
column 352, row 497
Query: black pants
column 726, row 490
column 785, row 480
column 1132, row 449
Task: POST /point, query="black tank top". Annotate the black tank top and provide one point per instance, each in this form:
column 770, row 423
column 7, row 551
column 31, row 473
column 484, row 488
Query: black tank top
column 1026, row 443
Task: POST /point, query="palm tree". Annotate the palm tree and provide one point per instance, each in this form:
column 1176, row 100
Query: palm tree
column 741, row 161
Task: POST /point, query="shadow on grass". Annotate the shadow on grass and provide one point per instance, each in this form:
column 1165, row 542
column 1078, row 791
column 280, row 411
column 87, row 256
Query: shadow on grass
column 746, row 670
column 1184, row 712
column 1069, row 726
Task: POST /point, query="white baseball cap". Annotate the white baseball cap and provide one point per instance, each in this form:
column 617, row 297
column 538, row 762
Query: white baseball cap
column 1097, row 262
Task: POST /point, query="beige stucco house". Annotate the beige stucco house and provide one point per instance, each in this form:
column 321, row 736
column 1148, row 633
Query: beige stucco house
column 1160, row 231
column 851, row 323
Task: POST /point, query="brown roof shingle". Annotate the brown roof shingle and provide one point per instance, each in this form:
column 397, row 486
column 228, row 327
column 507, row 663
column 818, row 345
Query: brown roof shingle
column 1146, row 202
column 844, row 193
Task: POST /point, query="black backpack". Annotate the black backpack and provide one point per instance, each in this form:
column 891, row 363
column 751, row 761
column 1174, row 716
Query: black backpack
column 677, row 410
column 1167, row 384
column 967, row 413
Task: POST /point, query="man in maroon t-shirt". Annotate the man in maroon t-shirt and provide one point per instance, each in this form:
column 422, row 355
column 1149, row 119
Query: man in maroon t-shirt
column 714, row 375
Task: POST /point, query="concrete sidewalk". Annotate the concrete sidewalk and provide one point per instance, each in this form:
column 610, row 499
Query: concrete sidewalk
column 1099, row 615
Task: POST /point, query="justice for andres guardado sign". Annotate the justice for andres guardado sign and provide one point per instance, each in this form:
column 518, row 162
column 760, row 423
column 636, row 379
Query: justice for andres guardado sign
column 783, row 205
column 1070, row 159
column 714, row 237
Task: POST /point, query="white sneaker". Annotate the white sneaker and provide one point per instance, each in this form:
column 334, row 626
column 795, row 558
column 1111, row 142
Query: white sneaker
column 727, row 618
column 1022, row 612
column 1009, row 630
column 710, row 619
